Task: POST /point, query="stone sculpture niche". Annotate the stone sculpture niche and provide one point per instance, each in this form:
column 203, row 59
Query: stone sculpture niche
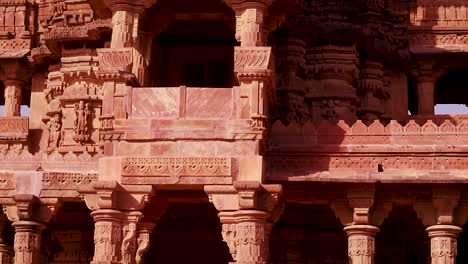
column 83, row 114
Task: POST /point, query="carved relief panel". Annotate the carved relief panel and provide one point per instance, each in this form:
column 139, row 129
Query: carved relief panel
column 74, row 103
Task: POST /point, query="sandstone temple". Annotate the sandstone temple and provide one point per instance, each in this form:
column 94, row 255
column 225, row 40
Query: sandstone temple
column 233, row 131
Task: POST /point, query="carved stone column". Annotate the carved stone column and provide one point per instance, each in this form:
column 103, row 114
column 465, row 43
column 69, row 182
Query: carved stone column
column 107, row 236
column 425, row 89
column 228, row 222
column 125, row 17
column 143, row 240
column 251, row 237
column 371, row 90
column 12, row 97
column 361, row 243
column 248, row 210
column 443, row 243
column 27, row 243
column 249, row 21
column 335, row 68
column 6, row 252
column 129, row 241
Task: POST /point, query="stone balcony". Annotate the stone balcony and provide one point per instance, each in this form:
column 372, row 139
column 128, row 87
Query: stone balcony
column 420, row 150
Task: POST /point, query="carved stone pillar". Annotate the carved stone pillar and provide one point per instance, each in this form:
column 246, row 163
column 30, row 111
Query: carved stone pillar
column 335, row 68
column 107, row 236
column 443, row 243
column 122, row 28
column 371, row 91
column 228, row 222
column 12, row 97
column 143, row 240
column 249, row 21
column 129, row 241
column 6, row 252
column 425, row 89
column 27, row 242
column 125, row 17
column 251, row 237
column 361, row 243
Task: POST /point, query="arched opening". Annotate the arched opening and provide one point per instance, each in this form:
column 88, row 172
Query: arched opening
column 197, row 47
column 402, row 238
column 308, row 234
column 69, row 236
column 188, row 233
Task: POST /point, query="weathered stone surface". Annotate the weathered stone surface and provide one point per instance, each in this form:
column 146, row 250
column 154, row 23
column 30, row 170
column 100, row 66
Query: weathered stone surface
column 139, row 106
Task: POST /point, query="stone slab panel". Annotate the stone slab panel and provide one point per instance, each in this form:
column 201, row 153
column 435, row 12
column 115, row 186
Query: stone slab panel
column 155, row 103
column 209, row 103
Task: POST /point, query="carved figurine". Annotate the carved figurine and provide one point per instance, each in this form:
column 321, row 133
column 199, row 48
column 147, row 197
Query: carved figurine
column 55, row 128
column 83, row 114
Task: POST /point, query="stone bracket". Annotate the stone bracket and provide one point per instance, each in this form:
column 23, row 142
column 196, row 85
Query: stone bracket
column 30, row 207
column 441, row 210
column 112, row 195
column 247, row 195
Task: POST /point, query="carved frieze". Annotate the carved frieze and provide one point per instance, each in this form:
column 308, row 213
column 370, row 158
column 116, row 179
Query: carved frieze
column 176, row 170
column 66, row 181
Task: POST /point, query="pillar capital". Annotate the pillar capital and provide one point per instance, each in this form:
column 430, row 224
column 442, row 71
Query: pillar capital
column 441, row 210
column 246, row 195
column 26, row 207
column 112, row 195
column 443, row 243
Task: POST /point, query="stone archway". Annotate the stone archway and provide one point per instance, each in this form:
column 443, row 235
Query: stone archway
column 402, row 239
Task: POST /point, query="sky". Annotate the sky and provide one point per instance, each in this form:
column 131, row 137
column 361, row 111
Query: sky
column 445, row 109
